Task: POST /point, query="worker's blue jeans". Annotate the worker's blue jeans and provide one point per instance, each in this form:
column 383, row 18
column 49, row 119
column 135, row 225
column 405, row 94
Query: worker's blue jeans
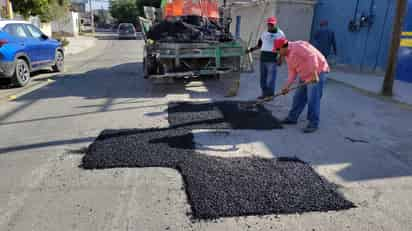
column 268, row 71
column 310, row 95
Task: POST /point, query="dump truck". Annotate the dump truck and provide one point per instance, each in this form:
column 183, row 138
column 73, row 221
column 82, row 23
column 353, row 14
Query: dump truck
column 192, row 41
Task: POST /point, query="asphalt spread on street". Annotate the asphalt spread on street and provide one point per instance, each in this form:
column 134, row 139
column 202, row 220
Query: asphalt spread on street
column 221, row 115
column 218, row 187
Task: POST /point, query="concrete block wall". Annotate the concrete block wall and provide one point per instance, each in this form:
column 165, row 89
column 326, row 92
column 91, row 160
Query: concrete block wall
column 253, row 20
column 294, row 16
column 69, row 25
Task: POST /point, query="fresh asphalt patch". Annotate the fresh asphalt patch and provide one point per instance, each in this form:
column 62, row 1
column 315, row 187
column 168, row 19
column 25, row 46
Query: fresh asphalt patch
column 220, row 115
column 217, row 187
column 229, row 187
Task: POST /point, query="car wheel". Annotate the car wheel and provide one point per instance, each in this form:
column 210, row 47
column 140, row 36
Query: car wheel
column 21, row 73
column 59, row 62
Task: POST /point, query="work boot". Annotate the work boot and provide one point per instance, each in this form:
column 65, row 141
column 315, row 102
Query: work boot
column 288, row 121
column 310, row 129
column 262, row 97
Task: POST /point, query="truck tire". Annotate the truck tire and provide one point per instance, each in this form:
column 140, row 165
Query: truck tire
column 21, row 75
column 145, row 69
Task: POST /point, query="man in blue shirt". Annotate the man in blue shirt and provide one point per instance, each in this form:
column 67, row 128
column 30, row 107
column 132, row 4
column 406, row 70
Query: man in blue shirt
column 324, row 39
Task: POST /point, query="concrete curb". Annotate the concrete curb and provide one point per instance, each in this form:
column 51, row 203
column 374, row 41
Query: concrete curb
column 375, row 95
column 79, row 45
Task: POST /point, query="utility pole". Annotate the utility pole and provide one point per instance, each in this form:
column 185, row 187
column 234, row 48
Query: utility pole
column 92, row 15
column 387, row 88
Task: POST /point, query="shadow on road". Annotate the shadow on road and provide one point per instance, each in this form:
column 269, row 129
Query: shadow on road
column 6, row 83
column 121, row 81
column 46, row 144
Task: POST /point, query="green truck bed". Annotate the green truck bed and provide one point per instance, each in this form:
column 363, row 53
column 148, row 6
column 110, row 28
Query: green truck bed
column 192, row 59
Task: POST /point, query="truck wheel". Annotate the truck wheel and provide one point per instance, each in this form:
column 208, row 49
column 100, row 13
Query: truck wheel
column 145, row 69
column 21, row 75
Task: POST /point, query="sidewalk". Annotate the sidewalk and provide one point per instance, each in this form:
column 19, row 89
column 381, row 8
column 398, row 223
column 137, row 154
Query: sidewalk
column 79, row 44
column 373, row 84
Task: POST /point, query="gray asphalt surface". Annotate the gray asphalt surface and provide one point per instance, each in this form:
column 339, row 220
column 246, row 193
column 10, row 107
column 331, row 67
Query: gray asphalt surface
column 42, row 187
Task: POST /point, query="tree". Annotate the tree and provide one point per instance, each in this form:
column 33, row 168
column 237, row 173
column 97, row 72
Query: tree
column 124, row 10
column 129, row 10
column 29, row 8
column 47, row 10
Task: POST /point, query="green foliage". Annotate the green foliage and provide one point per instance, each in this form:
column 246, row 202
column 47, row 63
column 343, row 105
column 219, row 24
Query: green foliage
column 124, row 10
column 129, row 10
column 47, row 10
column 56, row 9
column 29, row 8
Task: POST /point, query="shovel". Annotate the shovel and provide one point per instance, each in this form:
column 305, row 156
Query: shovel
column 254, row 105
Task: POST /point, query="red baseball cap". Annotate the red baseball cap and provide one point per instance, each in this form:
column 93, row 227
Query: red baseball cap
column 272, row 20
column 280, row 42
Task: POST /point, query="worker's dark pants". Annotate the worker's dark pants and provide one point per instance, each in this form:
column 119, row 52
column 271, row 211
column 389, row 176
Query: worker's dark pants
column 310, row 95
column 268, row 71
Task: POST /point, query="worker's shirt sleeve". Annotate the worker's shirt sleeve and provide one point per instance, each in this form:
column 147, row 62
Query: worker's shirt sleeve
column 291, row 74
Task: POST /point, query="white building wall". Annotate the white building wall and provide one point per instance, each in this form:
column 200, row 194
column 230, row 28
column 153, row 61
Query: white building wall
column 294, row 17
column 68, row 25
column 253, row 20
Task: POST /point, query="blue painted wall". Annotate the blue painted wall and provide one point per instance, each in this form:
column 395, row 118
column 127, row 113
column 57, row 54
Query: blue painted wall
column 366, row 49
column 404, row 68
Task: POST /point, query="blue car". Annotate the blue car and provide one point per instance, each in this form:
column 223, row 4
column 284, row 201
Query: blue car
column 24, row 49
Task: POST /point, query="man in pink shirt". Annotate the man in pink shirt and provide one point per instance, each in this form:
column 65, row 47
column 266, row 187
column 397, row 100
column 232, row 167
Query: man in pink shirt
column 307, row 63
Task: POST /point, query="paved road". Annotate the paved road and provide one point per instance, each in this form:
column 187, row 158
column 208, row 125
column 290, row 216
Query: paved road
column 42, row 188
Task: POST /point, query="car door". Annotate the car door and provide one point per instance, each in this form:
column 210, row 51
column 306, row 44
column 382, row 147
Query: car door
column 47, row 47
column 25, row 42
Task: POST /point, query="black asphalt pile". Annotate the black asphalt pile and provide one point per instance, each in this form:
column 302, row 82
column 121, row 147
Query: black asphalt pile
column 225, row 187
column 220, row 115
column 138, row 148
column 218, row 187
column 186, row 29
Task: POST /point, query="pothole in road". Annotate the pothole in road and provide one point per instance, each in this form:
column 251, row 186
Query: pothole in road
column 218, row 186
